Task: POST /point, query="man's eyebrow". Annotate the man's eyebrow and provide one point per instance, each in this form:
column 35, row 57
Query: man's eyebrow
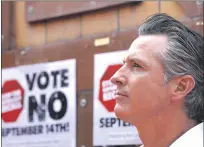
column 137, row 60
column 133, row 58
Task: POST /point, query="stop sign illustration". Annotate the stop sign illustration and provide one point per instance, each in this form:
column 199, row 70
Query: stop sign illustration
column 107, row 89
column 12, row 100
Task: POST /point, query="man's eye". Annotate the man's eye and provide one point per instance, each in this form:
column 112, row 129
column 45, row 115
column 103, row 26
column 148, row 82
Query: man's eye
column 136, row 65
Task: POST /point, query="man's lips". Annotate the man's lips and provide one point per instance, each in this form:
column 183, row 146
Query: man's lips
column 120, row 94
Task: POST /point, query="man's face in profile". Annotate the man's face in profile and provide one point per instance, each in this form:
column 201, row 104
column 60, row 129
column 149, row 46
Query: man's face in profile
column 142, row 91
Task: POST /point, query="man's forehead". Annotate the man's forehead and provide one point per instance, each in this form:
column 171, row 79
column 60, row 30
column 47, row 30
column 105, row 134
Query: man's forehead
column 147, row 46
column 148, row 42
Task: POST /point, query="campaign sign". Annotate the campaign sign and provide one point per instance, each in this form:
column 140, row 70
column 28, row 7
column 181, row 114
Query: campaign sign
column 39, row 105
column 108, row 129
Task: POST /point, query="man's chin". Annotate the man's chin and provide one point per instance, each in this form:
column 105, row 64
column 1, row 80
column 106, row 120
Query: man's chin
column 121, row 113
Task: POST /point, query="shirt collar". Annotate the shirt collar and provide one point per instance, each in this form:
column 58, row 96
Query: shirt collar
column 193, row 137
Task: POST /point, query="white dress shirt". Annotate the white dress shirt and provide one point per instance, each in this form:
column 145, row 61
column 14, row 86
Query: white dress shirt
column 192, row 138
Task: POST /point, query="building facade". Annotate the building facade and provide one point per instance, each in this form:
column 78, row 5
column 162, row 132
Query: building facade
column 37, row 32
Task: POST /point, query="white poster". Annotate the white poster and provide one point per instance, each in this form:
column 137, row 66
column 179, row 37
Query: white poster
column 39, row 105
column 108, row 129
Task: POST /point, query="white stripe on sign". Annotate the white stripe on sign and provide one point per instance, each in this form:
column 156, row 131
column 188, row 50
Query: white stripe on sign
column 109, row 90
column 11, row 101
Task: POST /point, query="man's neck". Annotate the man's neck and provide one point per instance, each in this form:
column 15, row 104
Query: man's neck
column 162, row 131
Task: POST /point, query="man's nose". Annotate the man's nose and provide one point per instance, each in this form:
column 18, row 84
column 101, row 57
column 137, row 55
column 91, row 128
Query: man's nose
column 118, row 79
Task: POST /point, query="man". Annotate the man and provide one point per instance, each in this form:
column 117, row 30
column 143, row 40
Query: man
column 160, row 87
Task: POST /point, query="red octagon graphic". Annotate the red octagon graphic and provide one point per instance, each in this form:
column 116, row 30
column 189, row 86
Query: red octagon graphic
column 107, row 89
column 12, row 100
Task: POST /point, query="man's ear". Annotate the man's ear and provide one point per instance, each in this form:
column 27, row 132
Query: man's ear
column 181, row 86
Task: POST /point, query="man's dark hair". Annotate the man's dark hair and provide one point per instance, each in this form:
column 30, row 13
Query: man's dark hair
column 184, row 56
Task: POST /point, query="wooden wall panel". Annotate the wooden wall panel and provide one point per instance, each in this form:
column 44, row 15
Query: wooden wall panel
column 63, row 29
column 132, row 15
column 173, row 9
column 99, row 22
column 6, row 25
column 8, row 59
column 36, row 11
column 27, row 34
column 192, row 8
